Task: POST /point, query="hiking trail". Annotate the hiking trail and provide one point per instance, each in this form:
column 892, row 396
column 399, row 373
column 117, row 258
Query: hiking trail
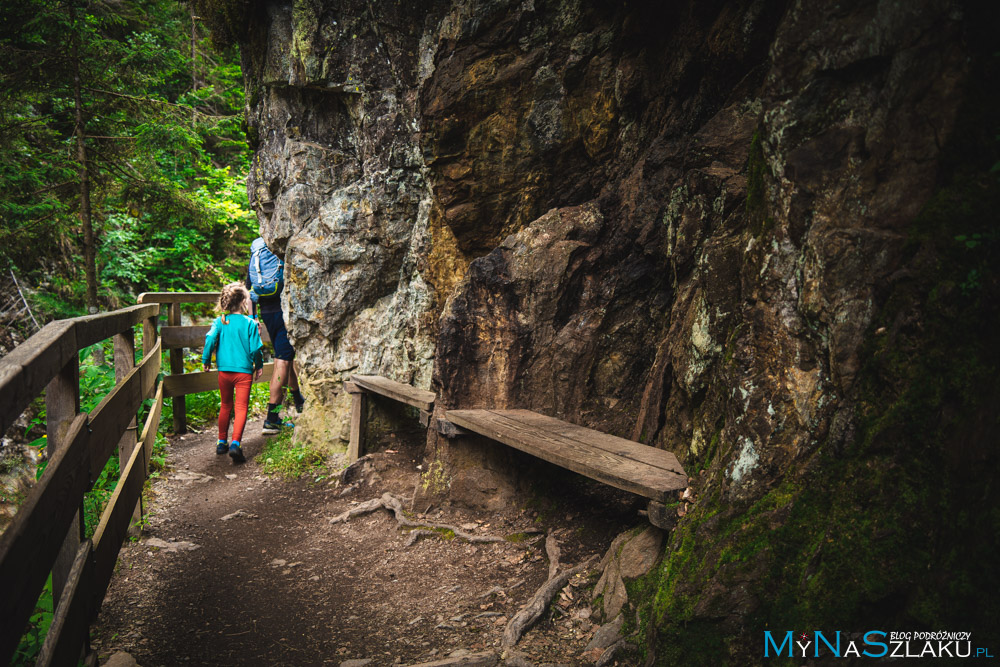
column 239, row 568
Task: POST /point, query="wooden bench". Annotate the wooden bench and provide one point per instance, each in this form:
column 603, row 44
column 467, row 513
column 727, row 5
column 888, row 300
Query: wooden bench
column 653, row 473
column 631, row 466
column 361, row 385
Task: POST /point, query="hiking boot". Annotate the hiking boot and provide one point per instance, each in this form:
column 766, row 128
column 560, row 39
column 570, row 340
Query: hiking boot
column 236, row 453
column 276, row 427
column 222, row 447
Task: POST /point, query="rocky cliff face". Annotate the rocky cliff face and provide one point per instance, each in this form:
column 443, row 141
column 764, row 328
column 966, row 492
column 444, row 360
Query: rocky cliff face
column 713, row 227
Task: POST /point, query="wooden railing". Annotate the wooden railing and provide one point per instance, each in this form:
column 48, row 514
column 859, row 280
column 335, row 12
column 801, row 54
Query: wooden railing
column 47, row 534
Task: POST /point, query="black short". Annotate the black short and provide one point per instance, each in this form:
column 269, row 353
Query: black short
column 275, row 323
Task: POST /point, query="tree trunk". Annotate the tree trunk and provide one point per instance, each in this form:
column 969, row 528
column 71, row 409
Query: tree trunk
column 194, row 61
column 86, row 219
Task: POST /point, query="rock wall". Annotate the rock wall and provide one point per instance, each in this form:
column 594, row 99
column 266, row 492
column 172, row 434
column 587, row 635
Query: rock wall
column 684, row 223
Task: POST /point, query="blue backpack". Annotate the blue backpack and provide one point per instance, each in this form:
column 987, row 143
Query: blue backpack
column 267, row 272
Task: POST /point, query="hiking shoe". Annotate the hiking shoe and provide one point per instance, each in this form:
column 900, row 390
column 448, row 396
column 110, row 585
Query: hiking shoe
column 273, row 428
column 236, row 453
column 222, row 447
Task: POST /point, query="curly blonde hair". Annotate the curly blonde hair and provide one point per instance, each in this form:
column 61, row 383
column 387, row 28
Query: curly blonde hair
column 234, row 299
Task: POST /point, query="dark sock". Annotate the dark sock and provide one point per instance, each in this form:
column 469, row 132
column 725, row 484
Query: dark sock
column 297, row 396
column 272, row 412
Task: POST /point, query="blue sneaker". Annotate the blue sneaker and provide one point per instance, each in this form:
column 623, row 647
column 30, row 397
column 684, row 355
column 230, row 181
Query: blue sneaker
column 222, row 447
column 275, row 427
column 236, row 453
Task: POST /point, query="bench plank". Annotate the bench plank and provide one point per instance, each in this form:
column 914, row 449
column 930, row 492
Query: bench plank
column 397, row 391
column 658, row 458
column 534, row 437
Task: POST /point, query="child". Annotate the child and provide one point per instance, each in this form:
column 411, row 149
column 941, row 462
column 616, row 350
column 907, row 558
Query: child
column 238, row 354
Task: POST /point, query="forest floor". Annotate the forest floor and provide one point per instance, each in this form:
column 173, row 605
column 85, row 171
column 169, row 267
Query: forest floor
column 236, row 567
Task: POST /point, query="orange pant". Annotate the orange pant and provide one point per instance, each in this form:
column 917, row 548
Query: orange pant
column 230, row 383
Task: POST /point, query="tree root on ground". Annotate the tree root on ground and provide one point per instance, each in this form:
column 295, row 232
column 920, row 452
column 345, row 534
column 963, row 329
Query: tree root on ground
column 539, row 602
column 553, row 551
column 421, row 529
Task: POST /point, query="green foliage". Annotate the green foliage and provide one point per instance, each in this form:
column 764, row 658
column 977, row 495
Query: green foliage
column 291, row 460
column 167, row 159
column 227, row 19
column 38, row 626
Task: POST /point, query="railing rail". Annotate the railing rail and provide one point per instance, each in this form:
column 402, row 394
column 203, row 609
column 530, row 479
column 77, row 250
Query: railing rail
column 47, row 534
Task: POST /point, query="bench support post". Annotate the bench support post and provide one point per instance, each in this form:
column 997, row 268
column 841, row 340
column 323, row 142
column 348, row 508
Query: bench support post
column 358, row 406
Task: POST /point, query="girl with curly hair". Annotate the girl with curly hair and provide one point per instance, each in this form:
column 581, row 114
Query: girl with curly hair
column 235, row 339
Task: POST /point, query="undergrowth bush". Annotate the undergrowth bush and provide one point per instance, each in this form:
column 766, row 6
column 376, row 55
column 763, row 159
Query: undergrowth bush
column 291, row 460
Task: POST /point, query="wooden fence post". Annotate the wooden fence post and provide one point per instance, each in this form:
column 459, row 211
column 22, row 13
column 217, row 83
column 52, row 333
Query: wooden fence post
column 62, row 404
column 177, row 367
column 125, row 362
column 149, row 336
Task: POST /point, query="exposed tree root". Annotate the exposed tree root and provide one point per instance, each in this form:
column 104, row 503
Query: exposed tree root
column 553, row 551
column 537, row 605
column 424, row 529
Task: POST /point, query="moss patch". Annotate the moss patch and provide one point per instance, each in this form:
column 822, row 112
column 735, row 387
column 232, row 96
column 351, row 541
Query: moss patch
column 756, row 203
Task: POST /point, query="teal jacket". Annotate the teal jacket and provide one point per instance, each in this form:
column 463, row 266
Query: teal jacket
column 236, row 345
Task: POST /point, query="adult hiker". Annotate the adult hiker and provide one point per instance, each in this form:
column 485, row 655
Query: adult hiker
column 265, row 278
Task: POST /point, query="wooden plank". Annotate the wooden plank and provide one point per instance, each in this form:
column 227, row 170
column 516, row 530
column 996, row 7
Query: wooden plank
column 149, row 335
column 149, row 368
column 662, row 475
column 148, row 437
column 175, row 337
column 111, row 417
column 30, row 543
column 404, row 393
column 27, row 369
column 92, row 329
column 352, row 388
column 69, row 633
column 178, row 297
column 593, row 462
column 193, row 383
column 358, row 406
column 658, row 458
column 116, row 519
column 62, row 405
column 177, row 368
column 193, row 336
column 124, row 362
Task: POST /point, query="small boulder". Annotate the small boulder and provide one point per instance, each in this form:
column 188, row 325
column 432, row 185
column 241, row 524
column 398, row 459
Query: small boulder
column 121, row 659
column 606, row 635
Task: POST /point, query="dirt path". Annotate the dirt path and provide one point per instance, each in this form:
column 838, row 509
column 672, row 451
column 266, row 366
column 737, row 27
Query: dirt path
column 277, row 584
